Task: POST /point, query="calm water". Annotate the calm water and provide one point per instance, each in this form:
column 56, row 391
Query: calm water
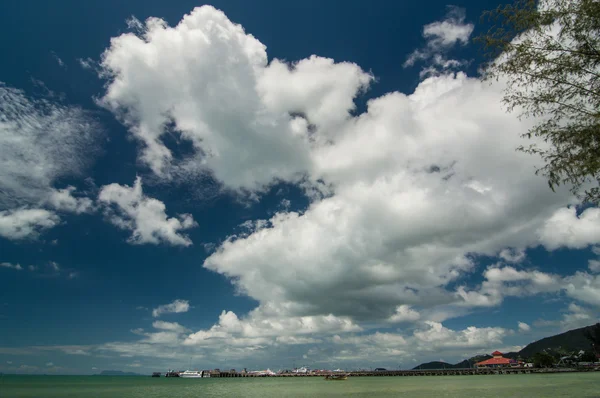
column 582, row 385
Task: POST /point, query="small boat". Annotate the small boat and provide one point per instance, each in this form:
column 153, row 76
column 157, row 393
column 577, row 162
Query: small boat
column 155, row 374
column 191, row 374
column 336, row 377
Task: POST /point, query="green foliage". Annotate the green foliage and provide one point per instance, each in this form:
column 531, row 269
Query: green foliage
column 542, row 360
column 549, row 55
column 588, row 356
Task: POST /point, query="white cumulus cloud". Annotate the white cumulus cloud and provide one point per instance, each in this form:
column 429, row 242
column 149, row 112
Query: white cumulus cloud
column 128, row 208
column 523, row 327
column 404, row 314
column 262, row 326
column 501, row 282
column 64, row 200
column 413, row 191
column 567, row 229
column 245, row 118
column 438, row 336
column 26, row 223
column 594, row 264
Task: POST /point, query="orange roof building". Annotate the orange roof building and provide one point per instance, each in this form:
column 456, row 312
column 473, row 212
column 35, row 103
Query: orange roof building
column 498, row 361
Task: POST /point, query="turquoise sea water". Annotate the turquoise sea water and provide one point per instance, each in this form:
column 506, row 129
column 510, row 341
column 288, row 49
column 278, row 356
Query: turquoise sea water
column 580, row 385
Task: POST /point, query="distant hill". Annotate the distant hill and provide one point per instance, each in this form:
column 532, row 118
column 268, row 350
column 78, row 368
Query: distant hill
column 564, row 343
column 573, row 340
column 434, row 365
column 117, row 373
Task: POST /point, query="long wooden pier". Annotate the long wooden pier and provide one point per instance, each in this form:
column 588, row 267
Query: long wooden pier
column 416, row 372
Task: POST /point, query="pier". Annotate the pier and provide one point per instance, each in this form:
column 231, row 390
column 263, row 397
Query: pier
column 416, row 372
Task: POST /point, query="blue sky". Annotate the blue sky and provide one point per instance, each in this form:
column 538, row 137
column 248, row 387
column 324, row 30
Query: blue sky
column 314, row 183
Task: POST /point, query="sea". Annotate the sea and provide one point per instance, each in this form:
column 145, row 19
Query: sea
column 580, row 385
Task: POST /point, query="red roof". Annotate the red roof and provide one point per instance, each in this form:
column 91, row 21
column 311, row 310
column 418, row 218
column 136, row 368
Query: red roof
column 496, row 353
column 496, row 361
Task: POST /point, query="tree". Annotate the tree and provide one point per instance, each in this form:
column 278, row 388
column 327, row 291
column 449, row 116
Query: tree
column 542, row 360
column 587, row 357
column 593, row 335
column 548, row 52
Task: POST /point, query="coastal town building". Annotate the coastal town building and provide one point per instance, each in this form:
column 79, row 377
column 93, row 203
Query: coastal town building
column 497, row 361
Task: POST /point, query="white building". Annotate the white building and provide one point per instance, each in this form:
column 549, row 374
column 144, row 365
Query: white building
column 302, row 370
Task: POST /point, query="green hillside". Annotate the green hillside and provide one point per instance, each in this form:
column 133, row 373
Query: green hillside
column 565, row 343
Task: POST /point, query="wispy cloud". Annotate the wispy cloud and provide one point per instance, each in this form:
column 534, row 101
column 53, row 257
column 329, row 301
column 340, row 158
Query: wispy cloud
column 41, row 140
column 441, row 37
column 76, row 352
column 84, row 350
column 50, row 269
column 60, row 62
column 11, row 266
column 176, row 306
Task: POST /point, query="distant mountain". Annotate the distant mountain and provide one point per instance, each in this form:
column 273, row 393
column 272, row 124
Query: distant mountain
column 562, row 344
column 434, row 365
column 573, row 340
column 117, row 373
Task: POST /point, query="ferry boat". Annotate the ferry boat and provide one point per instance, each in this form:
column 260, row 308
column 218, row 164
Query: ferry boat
column 191, row 374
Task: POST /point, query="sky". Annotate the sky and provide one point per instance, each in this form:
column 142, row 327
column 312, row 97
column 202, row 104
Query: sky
column 317, row 183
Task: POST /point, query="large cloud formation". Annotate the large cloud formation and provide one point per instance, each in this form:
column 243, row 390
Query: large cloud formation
column 229, row 103
column 409, row 193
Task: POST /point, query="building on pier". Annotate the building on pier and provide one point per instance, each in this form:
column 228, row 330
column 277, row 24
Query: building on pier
column 497, row 361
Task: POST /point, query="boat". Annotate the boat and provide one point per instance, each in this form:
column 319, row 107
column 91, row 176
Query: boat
column 336, row 377
column 191, row 374
column 155, row 374
column 172, row 373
